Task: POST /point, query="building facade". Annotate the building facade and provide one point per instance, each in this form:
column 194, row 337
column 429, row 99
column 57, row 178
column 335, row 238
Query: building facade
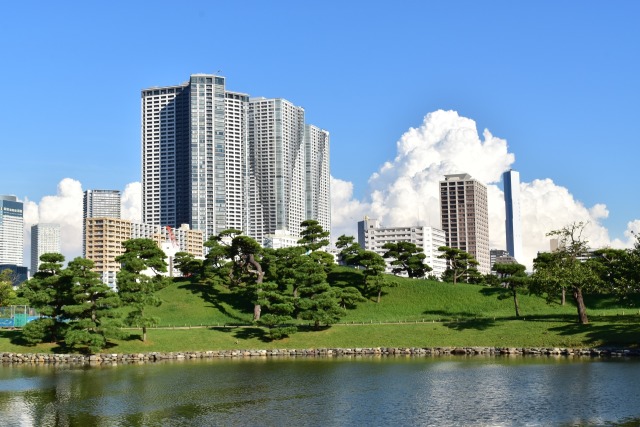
column 317, row 176
column 276, row 167
column 193, row 146
column 11, row 231
column 464, row 215
column 217, row 159
column 372, row 237
column 513, row 225
column 105, row 236
column 99, row 204
column 45, row 239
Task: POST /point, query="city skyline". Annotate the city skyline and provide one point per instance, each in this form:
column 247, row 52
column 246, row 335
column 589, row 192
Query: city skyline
column 217, row 159
column 564, row 98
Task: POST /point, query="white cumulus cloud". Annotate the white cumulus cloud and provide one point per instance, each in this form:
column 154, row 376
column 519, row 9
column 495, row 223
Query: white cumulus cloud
column 132, row 202
column 404, row 191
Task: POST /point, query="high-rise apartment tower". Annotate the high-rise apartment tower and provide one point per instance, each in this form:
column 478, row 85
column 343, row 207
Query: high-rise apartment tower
column 45, row 239
column 216, row 159
column 464, row 215
column 11, row 231
column 193, row 150
column 513, row 226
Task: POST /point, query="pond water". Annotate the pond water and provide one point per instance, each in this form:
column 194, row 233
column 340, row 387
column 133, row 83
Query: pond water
column 364, row 391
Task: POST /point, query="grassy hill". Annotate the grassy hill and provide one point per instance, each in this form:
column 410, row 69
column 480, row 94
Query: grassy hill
column 415, row 313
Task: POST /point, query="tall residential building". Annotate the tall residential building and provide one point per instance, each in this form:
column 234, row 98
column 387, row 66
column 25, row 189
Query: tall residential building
column 11, row 231
column 276, row 167
column 317, row 176
column 372, row 237
column 99, row 204
column 45, row 238
column 513, row 225
column 217, row 159
column 193, row 147
column 465, row 217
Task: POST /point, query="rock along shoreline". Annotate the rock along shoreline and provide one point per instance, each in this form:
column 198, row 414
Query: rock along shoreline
column 154, row 357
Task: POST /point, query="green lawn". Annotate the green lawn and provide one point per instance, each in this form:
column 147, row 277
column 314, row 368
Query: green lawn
column 416, row 313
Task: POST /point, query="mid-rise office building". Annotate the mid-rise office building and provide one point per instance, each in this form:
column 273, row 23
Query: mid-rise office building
column 372, row 237
column 513, row 226
column 11, row 231
column 464, row 214
column 99, row 204
column 45, row 239
column 217, row 159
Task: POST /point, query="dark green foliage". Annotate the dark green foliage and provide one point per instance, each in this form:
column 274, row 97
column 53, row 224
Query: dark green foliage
column 407, row 258
column 348, row 297
column 317, row 302
column 513, row 278
column 373, row 273
column 349, row 250
column 7, row 294
column 136, row 287
column 313, row 235
column 187, row 264
column 564, row 269
column 461, row 265
column 280, row 308
column 41, row 330
column 92, row 311
column 244, row 251
column 48, row 293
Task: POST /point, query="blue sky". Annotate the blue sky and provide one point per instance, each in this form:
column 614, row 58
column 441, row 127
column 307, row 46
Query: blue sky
column 557, row 80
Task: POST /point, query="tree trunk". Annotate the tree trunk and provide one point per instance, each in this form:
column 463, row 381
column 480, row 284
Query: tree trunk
column 379, row 295
column 515, row 302
column 256, row 308
column 564, row 296
column 582, row 310
column 144, row 334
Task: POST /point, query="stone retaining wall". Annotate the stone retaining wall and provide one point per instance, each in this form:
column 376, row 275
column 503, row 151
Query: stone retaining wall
column 109, row 358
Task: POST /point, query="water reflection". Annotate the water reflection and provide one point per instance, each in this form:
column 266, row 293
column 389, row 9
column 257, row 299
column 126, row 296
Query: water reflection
column 331, row 392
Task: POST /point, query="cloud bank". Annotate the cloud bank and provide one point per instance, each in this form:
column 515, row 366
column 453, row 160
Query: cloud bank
column 405, row 190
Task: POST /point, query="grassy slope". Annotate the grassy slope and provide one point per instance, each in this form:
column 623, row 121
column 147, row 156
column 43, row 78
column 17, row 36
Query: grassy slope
column 415, row 313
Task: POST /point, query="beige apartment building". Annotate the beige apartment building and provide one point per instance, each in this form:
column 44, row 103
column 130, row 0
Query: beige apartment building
column 104, row 237
column 464, row 214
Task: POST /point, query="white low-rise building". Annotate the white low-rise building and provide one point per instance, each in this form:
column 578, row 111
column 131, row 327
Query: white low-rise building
column 372, row 236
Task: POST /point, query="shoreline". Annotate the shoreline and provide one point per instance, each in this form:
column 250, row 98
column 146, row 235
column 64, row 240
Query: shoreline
column 99, row 359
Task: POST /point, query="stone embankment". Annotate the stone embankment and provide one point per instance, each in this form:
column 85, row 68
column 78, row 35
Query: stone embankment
column 109, row 358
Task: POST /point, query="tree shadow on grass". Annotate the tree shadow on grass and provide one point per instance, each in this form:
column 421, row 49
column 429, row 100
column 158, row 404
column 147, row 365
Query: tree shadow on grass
column 214, row 296
column 245, row 333
column 619, row 334
column 14, row 336
column 477, row 324
column 343, row 278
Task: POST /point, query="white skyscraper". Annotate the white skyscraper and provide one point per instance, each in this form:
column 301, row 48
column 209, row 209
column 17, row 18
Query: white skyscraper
column 317, row 178
column 216, row 159
column 45, row 238
column 276, row 167
column 11, row 231
column 193, row 147
column 513, row 225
